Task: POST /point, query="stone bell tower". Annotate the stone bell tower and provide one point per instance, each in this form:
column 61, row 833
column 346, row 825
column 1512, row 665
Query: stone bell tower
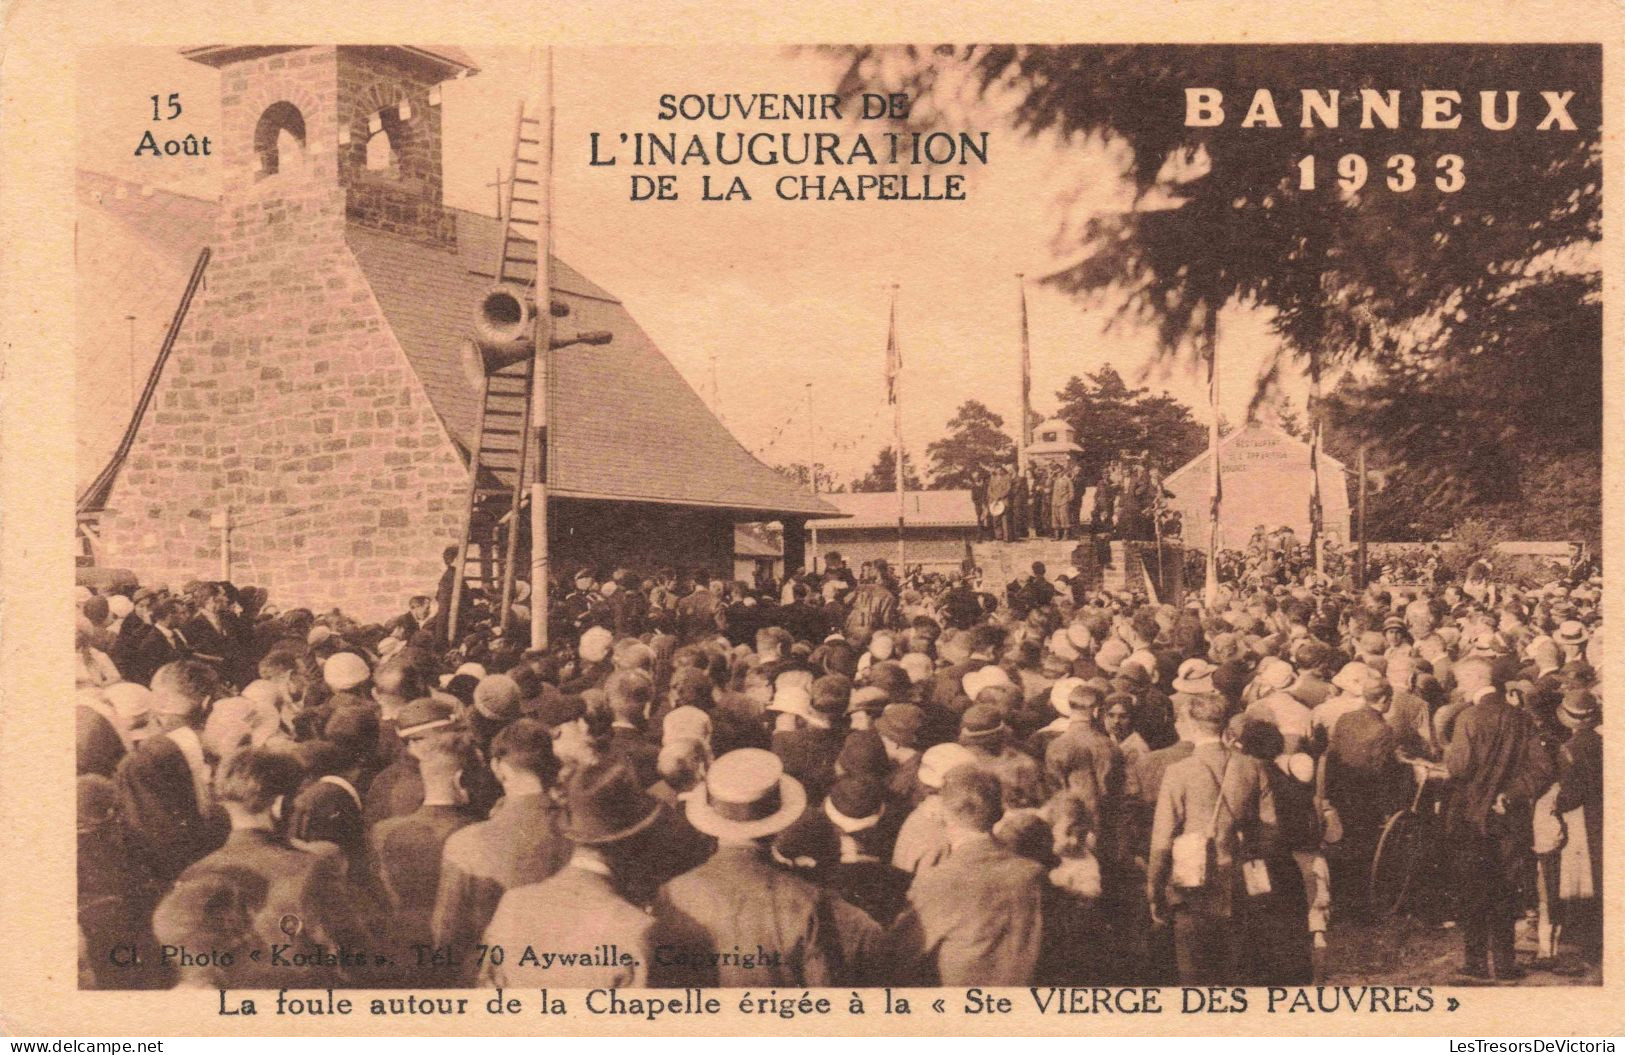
column 362, row 122
column 287, row 407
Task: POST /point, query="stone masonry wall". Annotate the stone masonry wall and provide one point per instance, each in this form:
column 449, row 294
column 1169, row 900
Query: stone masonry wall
column 407, row 199
column 286, row 397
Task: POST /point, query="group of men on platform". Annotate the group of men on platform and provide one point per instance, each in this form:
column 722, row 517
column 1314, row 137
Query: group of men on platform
column 1051, row 499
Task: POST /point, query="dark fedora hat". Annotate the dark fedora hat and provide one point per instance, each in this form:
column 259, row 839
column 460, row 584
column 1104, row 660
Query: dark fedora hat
column 605, row 804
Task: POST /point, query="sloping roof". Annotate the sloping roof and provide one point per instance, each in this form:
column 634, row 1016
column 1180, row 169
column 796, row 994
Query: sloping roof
column 135, row 248
column 613, row 406
column 449, row 60
column 878, row 509
column 1252, row 428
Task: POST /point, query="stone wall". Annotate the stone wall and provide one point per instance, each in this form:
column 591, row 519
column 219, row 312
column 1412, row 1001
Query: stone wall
column 406, row 199
column 287, row 398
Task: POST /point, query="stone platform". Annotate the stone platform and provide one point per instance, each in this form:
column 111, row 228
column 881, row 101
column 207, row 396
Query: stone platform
column 1002, row 562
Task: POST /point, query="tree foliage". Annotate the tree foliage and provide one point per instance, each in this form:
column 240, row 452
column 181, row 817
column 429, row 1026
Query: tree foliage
column 1510, row 434
column 1422, row 286
column 882, row 475
column 1108, row 417
column 975, row 445
column 797, row 471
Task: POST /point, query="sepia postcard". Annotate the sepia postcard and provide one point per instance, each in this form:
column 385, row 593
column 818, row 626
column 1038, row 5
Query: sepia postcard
column 1015, row 519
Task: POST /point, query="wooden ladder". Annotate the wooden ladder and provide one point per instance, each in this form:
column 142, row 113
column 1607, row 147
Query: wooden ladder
column 503, row 442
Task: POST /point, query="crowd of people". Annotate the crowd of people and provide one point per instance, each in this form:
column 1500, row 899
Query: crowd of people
column 840, row 781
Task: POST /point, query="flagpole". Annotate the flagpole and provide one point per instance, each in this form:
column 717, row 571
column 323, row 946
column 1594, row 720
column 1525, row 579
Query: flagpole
column 894, row 366
column 1317, row 534
column 1360, row 566
column 1210, row 593
column 812, row 474
column 544, row 362
column 1024, row 432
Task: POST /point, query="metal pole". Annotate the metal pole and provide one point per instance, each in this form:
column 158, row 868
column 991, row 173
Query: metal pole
column 897, row 432
column 543, row 372
column 131, row 320
column 1317, row 523
column 225, row 546
column 812, row 474
column 1360, row 562
column 1210, row 593
column 1024, row 429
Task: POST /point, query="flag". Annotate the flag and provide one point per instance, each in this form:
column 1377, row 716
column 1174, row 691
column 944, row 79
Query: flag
column 1213, row 442
column 1314, row 488
column 894, row 357
column 1026, row 370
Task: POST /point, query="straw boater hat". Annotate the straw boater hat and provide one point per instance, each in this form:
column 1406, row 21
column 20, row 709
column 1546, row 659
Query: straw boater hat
column 796, row 700
column 985, row 678
column 1061, row 645
column 1275, row 673
column 1572, row 632
column 1354, row 677
column 685, row 723
column 917, row 665
column 1112, row 654
column 747, row 796
column 1195, row 676
column 594, row 644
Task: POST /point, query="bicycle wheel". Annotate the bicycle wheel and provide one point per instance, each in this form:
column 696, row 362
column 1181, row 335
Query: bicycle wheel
column 1394, row 862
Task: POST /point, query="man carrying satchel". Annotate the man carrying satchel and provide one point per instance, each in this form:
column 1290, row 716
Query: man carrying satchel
column 1214, row 823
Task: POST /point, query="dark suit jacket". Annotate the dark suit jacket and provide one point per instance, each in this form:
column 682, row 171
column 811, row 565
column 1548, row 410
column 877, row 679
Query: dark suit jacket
column 1363, row 776
column 632, row 748
column 396, row 791
column 158, row 800
column 205, row 639
column 574, row 910
column 325, row 812
column 153, row 652
column 809, row 755
column 1495, row 751
column 127, row 648
column 277, row 880
column 521, row 844
column 877, row 887
column 738, row 898
column 974, row 919
column 406, row 854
